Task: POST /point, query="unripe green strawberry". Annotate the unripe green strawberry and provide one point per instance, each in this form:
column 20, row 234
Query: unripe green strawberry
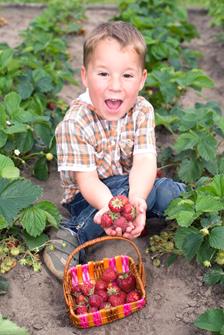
column 15, row 251
column 49, row 156
column 204, row 231
column 207, row 264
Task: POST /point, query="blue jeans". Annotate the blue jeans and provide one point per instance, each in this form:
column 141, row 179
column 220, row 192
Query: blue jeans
column 81, row 221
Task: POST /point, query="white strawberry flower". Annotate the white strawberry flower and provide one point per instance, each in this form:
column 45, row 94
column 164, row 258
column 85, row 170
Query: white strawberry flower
column 16, row 152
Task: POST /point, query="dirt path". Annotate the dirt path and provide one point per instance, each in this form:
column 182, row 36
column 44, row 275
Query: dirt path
column 176, row 295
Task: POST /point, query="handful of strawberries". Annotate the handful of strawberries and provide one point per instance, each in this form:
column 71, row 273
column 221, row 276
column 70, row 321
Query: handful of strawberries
column 121, row 213
column 111, row 290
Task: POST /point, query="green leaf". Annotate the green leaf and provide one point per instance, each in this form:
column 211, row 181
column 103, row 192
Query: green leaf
column 207, row 147
column 12, row 102
column 186, row 141
column 182, row 210
column 216, row 187
column 207, row 203
column 181, row 234
column 214, row 276
column 41, row 169
column 8, row 327
column 16, row 195
column 211, row 320
column 216, row 238
column 33, row 220
column 35, row 243
column 25, row 88
column 3, row 223
column 190, row 170
column 205, row 252
column 5, row 162
column 191, row 244
column 10, row 172
column 51, row 211
column 5, row 57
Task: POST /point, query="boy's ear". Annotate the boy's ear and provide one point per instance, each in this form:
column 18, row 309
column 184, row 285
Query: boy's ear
column 144, row 76
column 83, row 76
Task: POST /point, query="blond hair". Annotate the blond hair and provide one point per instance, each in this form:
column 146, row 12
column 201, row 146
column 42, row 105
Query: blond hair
column 123, row 32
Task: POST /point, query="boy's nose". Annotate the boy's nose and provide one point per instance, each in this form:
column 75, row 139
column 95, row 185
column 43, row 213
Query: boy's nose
column 115, row 84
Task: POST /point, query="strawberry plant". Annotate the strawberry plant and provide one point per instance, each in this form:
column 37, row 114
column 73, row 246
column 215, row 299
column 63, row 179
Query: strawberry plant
column 199, row 133
column 199, row 214
column 22, row 219
column 171, row 67
column 9, row 327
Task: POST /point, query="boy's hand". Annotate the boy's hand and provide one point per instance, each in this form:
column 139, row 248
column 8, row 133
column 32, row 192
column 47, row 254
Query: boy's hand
column 139, row 223
column 97, row 219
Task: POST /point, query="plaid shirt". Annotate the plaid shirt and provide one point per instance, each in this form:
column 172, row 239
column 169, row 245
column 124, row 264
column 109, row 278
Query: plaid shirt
column 86, row 142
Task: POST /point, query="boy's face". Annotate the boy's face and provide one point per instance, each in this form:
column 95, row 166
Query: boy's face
column 114, row 77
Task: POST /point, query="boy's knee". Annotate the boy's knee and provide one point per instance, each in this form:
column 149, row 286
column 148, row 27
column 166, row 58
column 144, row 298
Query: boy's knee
column 168, row 190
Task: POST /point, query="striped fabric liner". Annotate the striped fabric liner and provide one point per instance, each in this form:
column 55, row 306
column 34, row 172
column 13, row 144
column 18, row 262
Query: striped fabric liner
column 85, row 272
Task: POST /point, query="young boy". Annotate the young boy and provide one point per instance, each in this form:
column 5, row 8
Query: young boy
column 106, row 142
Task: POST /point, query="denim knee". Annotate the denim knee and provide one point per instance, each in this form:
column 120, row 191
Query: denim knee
column 166, row 190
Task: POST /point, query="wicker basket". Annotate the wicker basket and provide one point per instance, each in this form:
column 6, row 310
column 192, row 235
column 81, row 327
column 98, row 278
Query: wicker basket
column 91, row 272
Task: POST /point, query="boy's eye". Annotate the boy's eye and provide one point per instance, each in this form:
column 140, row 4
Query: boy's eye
column 128, row 75
column 103, row 74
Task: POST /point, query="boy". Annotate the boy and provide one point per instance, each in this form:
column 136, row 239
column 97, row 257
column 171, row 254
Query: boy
column 106, row 142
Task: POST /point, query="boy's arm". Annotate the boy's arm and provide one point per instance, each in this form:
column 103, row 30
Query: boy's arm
column 96, row 193
column 141, row 180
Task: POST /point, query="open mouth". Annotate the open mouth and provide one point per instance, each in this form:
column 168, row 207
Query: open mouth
column 113, row 104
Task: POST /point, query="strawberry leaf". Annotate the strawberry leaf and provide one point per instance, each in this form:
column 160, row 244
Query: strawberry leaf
column 216, row 238
column 190, row 170
column 207, row 203
column 10, row 328
column 191, row 244
column 211, row 320
column 16, row 195
column 214, row 276
column 33, row 220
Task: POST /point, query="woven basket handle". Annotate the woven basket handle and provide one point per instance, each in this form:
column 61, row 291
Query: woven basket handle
column 140, row 266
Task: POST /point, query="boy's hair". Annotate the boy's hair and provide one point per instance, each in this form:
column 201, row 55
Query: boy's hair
column 123, row 32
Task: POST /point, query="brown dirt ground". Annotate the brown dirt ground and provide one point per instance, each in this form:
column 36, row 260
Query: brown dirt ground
column 176, row 295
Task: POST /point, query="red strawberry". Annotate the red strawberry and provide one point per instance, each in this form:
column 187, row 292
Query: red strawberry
column 76, row 290
column 133, row 296
column 87, row 288
column 103, row 294
column 105, row 304
column 117, row 299
column 117, row 203
column 129, row 212
column 122, row 223
column 81, row 310
column 109, row 275
column 113, row 289
column 81, row 300
column 100, row 285
column 95, row 300
column 51, row 105
column 106, row 220
column 126, row 281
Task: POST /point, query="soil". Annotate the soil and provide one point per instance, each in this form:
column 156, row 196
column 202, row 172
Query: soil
column 175, row 295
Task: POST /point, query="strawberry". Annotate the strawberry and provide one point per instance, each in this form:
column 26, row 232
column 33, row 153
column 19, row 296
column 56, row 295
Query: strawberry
column 100, row 285
column 109, row 275
column 81, row 300
column 103, row 294
column 129, row 212
column 117, row 203
column 113, row 289
column 106, row 220
column 81, row 310
column 117, row 299
column 76, row 290
column 133, row 296
column 122, row 223
column 126, row 281
column 95, row 300
column 87, row 288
